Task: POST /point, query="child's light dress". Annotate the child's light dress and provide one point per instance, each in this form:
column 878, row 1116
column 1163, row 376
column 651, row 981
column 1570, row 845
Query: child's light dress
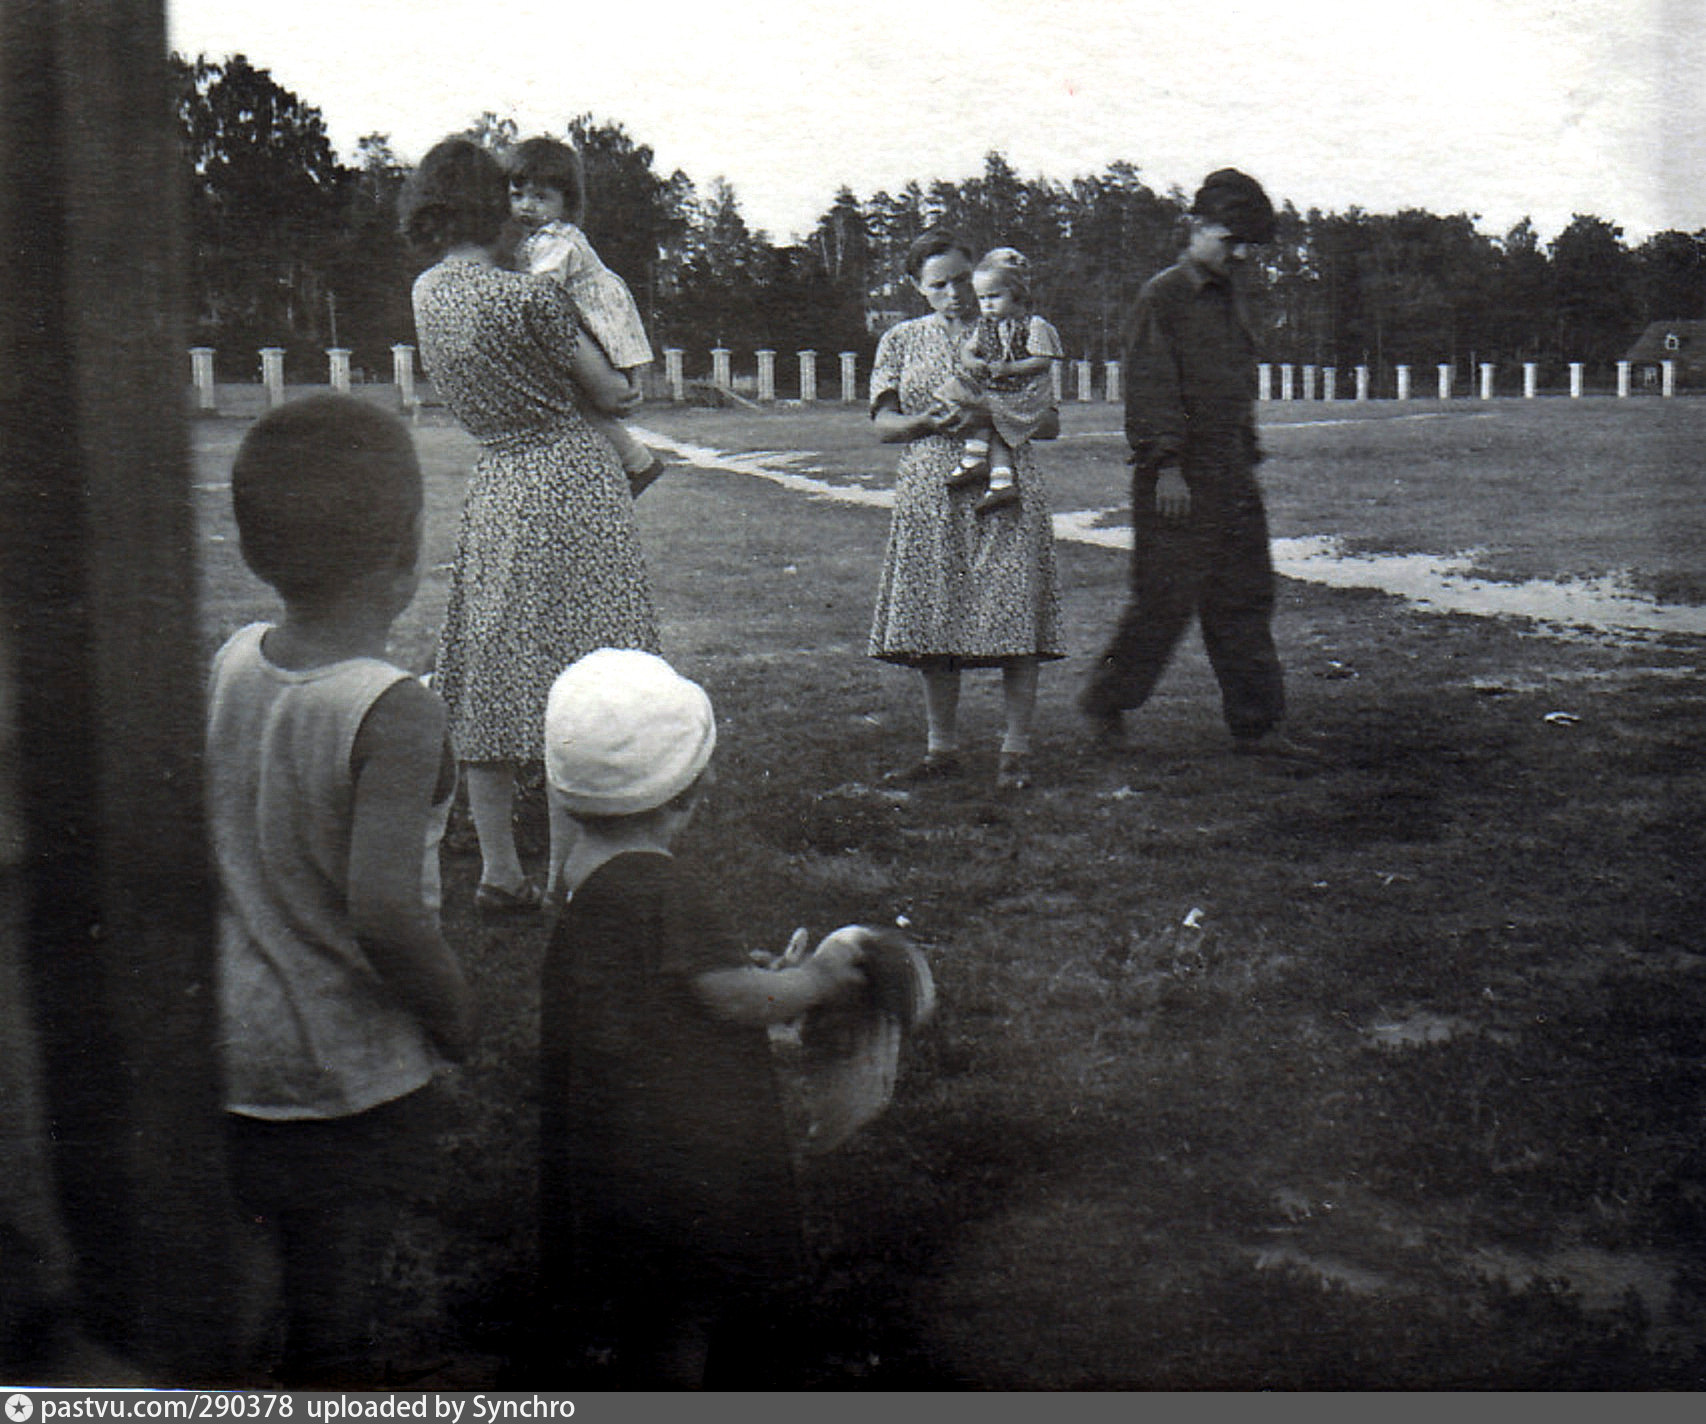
column 1016, row 404
column 607, row 310
column 606, row 306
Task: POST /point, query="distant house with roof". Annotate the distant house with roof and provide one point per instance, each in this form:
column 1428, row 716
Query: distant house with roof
column 1681, row 341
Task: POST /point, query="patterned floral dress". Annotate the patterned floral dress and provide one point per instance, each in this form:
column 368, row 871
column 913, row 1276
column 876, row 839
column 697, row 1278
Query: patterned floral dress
column 975, row 589
column 548, row 564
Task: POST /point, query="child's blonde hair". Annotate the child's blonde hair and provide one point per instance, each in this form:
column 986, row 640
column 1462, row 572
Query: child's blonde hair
column 1011, row 266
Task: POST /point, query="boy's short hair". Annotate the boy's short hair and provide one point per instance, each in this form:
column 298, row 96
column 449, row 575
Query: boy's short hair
column 459, row 195
column 326, row 490
column 552, row 164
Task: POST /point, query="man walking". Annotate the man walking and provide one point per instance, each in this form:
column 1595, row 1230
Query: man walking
column 1199, row 531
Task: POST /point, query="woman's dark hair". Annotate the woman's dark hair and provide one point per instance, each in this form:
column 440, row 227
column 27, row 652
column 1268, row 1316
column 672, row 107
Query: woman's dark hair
column 458, row 195
column 933, row 244
column 552, row 164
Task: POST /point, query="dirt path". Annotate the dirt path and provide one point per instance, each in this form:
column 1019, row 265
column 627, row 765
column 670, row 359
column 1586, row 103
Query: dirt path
column 1442, row 585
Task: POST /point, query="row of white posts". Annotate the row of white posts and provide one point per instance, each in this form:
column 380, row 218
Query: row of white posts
column 272, row 373
column 1446, row 371
column 1311, row 378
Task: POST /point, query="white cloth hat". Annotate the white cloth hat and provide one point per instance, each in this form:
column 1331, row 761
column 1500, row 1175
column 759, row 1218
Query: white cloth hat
column 625, row 732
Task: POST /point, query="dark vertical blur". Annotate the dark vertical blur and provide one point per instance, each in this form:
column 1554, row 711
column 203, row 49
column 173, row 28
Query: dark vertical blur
column 110, row 882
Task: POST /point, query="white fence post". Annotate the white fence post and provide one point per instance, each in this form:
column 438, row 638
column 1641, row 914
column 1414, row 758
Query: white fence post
column 1264, row 381
column 849, row 377
column 1057, row 379
column 337, row 372
column 767, row 375
column 1575, row 380
column 1623, row 380
column 808, row 377
column 1082, row 369
column 1362, row 383
column 1330, row 383
column 1446, row 372
column 1403, row 383
column 720, row 368
column 1309, row 374
column 673, row 373
column 1668, row 389
column 201, row 372
column 1287, row 379
column 272, row 374
column 1486, row 380
column 1530, row 379
column 1111, row 373
column 403, row 374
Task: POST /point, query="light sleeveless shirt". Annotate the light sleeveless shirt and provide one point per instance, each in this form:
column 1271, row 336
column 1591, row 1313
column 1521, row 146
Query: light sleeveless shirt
column 307, row 1027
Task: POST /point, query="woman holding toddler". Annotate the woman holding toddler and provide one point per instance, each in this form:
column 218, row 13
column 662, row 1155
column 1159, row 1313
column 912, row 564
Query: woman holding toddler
column 548, row 562
column 959, row 589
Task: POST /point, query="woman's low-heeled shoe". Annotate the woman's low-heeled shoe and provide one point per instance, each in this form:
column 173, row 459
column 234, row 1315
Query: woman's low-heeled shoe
column 998, row 498
column 494, row 901
column 967, row 475
column 936, row 766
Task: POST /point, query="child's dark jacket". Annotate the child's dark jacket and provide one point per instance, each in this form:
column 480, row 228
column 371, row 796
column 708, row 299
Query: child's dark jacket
column 663, row 1149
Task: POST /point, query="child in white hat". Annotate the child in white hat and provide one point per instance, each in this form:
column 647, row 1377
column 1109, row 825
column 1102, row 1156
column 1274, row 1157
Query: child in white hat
column 667, row 1205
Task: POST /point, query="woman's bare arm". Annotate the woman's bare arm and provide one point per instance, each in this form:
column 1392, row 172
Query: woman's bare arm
column 896, row 428
column 606, row 387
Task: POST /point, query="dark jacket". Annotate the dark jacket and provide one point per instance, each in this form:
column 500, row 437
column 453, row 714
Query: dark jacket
column 1190, row 374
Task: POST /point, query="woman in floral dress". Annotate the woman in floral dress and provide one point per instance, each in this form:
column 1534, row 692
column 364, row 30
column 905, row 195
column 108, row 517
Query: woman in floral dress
column 956, row 591
column 548, row 563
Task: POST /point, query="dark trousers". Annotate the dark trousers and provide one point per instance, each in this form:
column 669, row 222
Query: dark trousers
column 1213, row 564
column 330, row 1193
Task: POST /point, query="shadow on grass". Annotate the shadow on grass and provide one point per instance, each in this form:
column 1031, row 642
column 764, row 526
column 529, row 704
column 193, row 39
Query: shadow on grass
column 1384, row 1074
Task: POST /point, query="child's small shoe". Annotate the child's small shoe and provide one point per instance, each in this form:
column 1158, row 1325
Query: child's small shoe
column 641, row 480
column 969, row 474
column 998, row 497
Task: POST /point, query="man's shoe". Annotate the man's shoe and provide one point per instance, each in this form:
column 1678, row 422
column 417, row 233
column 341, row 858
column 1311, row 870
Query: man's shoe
column 1012, row 772
column 1276, row 746
column 1107, row 728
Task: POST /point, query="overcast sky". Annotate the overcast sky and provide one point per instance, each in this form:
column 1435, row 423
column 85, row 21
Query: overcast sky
column 1501, row 108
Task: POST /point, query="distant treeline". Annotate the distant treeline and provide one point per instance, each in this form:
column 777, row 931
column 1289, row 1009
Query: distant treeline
column 293, row 248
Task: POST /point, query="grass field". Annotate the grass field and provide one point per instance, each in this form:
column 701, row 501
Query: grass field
column 1422, row 1102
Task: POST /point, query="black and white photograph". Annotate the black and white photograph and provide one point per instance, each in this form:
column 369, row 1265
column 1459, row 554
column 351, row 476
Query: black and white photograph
column 852, row 699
